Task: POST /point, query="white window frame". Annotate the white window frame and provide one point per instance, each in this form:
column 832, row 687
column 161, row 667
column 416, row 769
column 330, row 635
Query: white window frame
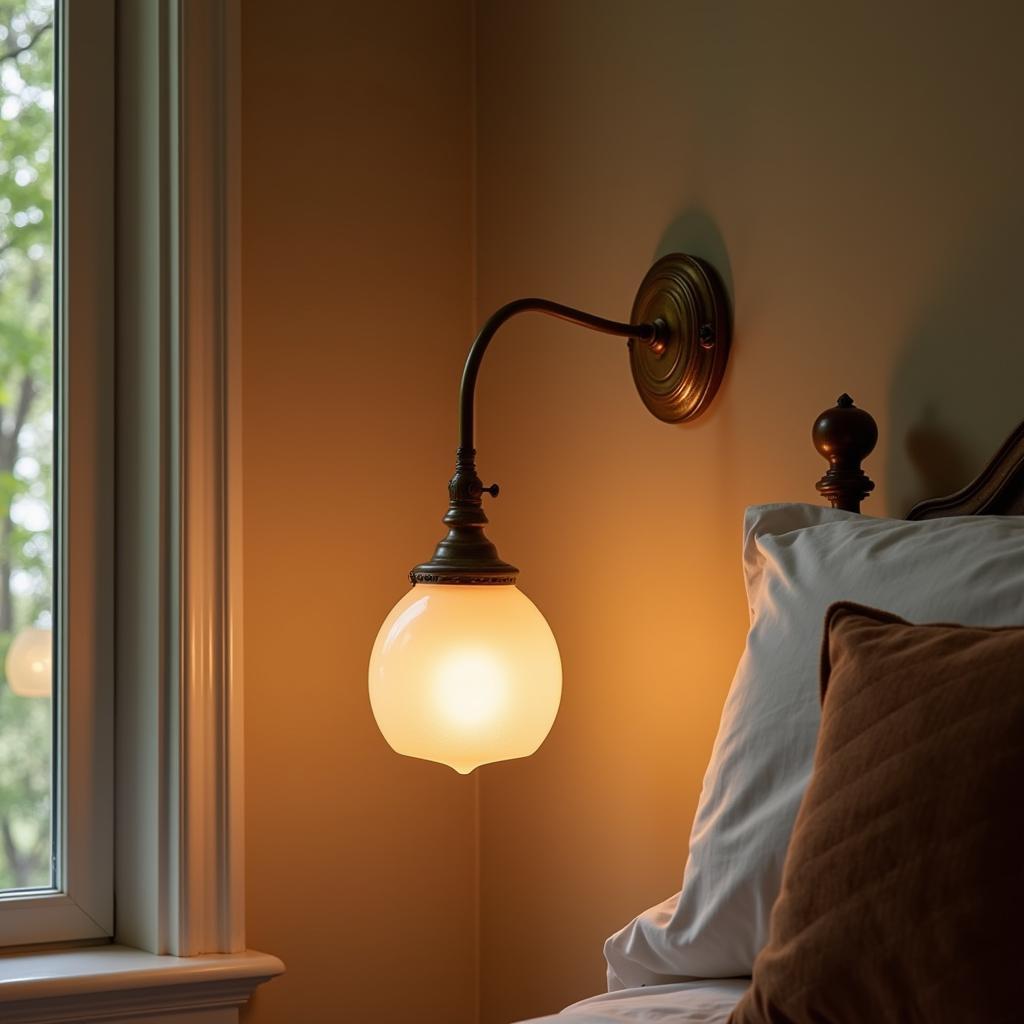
column 179, row 940
column 81, row 905
column 179, row 840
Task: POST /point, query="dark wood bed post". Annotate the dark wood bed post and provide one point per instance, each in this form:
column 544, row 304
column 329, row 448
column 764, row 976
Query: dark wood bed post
column 845, row 435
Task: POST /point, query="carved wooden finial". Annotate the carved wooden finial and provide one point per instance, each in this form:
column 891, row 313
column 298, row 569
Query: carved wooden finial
column 845, row 435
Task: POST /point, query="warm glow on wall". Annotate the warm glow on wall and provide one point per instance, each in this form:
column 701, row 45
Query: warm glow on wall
column 465, row 670
column 465, row 675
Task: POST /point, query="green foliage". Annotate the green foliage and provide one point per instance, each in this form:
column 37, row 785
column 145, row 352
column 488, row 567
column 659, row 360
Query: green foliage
column 27, row 179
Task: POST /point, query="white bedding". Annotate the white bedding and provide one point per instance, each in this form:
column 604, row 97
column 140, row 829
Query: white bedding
column 707, row 1002
column 799, row 559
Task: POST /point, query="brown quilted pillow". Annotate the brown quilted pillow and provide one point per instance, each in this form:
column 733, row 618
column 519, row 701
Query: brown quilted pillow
column 902, row 896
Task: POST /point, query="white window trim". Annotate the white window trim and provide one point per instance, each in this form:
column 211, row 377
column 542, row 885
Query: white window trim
column 179, row 879
column 179, row 843
column 115, row 983
column 82, row 907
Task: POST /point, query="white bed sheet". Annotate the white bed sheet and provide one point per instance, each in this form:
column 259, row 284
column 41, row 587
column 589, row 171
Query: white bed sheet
column 690, row 1002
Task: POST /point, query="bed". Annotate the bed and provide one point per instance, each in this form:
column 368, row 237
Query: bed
column 693, row 1002
column 854, row 847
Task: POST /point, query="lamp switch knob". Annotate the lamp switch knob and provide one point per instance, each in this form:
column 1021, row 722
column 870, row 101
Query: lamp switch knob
column 492, row 490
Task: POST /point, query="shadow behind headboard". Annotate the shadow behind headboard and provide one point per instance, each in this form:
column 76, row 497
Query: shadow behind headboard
column 846, row 435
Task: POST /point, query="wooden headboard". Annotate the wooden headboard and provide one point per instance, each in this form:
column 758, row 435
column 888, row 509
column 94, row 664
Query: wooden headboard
column 846, row 435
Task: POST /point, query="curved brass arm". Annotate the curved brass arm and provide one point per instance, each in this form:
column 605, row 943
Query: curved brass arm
column 465, row 555
column 650, row 333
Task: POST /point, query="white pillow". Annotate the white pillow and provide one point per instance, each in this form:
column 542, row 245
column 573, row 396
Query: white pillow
column 798, row 559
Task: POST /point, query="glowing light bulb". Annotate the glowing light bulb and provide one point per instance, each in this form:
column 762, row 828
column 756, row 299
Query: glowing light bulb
column 465, row 675
column 29, row 663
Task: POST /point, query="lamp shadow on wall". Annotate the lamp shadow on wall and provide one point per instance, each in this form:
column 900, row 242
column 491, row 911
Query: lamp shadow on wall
column 955, row 390
column 694, row 231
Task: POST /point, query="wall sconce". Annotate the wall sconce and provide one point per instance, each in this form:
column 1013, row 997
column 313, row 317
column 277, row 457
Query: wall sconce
column 465, row 669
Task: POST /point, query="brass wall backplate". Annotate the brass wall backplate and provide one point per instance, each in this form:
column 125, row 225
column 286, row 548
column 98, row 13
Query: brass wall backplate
column 685, row 293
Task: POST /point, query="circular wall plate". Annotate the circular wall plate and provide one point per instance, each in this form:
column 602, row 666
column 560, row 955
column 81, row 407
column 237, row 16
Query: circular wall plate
column 678, row 379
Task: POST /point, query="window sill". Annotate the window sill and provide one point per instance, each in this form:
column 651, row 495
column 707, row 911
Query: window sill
column 117, row 983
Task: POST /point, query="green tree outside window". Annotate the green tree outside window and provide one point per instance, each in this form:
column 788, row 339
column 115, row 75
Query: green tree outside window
column 27, row 161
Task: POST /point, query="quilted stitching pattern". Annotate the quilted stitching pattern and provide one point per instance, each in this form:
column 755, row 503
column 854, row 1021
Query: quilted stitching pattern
column 903, row 890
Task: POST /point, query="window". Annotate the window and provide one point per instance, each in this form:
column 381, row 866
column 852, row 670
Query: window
column 176, row 637
column 27, row 161
column 56, row 456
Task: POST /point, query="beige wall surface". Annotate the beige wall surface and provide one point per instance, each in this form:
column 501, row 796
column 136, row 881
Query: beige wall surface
column 854, row 170
column 357, row 303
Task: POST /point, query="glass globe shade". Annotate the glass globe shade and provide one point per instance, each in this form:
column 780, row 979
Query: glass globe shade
column 29, row 663
column 465, row 675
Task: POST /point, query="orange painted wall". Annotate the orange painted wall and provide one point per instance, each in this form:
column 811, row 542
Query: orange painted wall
column 854, row 170
column 357, row 303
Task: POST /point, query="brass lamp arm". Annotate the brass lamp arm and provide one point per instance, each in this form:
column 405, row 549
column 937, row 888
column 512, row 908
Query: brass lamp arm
column 651, row 333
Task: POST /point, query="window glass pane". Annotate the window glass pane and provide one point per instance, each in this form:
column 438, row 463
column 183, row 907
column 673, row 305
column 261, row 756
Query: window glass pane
column 26, row 442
